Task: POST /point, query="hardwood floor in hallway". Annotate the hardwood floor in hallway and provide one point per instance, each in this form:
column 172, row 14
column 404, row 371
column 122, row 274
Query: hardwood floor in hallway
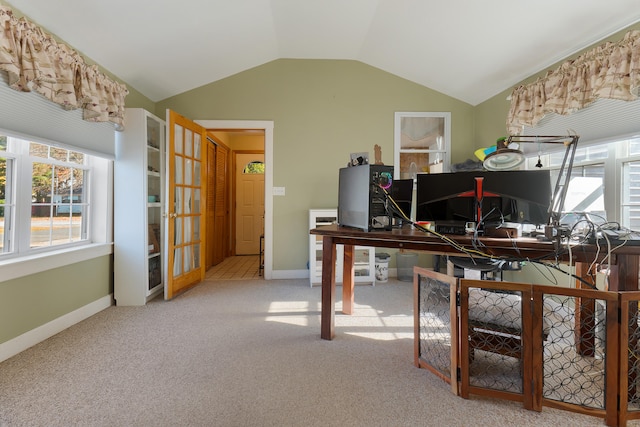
column 236, row 268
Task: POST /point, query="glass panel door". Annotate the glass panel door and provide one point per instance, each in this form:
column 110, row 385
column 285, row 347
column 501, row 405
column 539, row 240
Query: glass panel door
column 185, row 186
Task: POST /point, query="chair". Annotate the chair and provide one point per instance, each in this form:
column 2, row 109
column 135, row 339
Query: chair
column 489, row 269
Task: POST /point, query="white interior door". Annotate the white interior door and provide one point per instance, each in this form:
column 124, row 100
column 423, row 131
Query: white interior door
column 249, row 205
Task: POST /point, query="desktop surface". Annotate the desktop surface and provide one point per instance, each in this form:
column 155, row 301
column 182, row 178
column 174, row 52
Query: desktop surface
column 411, row 238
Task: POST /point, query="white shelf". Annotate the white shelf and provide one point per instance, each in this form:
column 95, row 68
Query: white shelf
column 138, row 224
column 364, row 264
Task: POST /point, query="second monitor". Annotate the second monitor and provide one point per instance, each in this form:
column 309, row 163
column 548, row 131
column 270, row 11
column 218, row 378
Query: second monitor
column 402, row 194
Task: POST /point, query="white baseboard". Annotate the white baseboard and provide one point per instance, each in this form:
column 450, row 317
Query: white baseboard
column 290, row 274
column 29, row 339
column 304, row 274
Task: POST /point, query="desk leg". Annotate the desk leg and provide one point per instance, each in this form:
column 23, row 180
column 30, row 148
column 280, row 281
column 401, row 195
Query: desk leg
column 624, row 277
column 328, row 288
column 585, row 313
column 348, row 279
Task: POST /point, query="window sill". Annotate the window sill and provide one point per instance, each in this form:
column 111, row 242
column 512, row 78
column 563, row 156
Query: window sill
column 32, row 264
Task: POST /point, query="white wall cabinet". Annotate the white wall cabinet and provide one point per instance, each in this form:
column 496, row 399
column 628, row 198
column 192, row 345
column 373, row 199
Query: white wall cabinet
column 364, row 257
column 139, row 197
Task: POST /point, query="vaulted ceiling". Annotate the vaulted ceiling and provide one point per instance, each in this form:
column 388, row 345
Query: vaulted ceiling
column 468, row 49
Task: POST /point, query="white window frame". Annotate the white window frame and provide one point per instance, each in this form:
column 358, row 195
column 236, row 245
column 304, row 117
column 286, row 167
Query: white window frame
column 624, row 157
column 444, row 152
column 24, row 260
column 10, row 207
column 24, row 190
column 613, row 173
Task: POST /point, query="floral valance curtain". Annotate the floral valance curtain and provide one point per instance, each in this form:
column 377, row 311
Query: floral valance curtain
column 35, row 61
column 611, row 70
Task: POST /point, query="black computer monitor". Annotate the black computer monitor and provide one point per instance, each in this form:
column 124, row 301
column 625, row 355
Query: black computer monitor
column 486, row 197
column 402, row 193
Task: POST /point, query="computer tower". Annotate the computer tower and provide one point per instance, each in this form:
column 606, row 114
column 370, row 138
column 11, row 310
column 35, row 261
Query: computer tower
column 362, row 202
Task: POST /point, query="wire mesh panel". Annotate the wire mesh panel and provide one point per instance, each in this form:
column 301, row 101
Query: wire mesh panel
column 436, row 335
column 571, row 348
column 574, row 353
column 494, row 335
column 630, row 356
column 633, row 386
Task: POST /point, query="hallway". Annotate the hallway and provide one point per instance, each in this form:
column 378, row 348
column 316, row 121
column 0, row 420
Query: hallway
column 235, row 268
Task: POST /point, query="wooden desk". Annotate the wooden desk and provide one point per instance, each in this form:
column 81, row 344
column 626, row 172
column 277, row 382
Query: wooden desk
column 623, row 277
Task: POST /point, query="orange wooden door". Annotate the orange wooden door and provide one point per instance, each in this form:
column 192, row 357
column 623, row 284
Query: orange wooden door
column 222, row 241
column 211, row 205
column 186, row 189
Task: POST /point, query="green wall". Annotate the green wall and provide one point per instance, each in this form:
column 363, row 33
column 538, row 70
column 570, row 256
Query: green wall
column 32, row 301
column 322, row 111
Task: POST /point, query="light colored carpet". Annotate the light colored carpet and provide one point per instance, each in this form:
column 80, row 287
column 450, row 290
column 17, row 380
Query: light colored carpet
column 245, row 353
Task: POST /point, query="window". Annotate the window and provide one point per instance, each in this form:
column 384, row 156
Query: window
column 630, row 168
column 631, row 194
column 605, row 181
column 7, row 204
column 256, row 166
column 45, row 196
column 421, row 143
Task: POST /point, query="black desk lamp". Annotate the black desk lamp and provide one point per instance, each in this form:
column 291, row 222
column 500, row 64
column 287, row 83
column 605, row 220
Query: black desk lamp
column 505, row 158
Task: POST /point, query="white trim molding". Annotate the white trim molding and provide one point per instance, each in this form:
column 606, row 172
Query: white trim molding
column 14, row 268
column 37, row 335
column 290, row 274
column 267, row 126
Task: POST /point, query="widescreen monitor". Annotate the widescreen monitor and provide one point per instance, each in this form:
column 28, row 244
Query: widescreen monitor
column 505, row 196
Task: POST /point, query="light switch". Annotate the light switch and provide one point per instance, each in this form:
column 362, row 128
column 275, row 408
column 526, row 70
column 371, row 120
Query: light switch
column 278, row 191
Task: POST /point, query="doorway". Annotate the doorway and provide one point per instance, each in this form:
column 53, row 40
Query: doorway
column 249, row 201
column 267, row 128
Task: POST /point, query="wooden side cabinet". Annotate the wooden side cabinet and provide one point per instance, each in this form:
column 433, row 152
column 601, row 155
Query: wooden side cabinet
column 139, row 198
column 364, row 263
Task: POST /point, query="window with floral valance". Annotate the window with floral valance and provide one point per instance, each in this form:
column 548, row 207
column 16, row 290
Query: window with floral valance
column 35, row 61
column 611, row 71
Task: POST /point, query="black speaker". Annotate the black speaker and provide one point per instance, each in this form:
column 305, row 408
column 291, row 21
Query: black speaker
column 362, row 202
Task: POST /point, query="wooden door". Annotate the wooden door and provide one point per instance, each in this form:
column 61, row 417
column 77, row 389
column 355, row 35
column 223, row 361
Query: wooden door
column 249, row 205
column 211, row 205
column 218, row 242
column 222, row 241
column 186, row 187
